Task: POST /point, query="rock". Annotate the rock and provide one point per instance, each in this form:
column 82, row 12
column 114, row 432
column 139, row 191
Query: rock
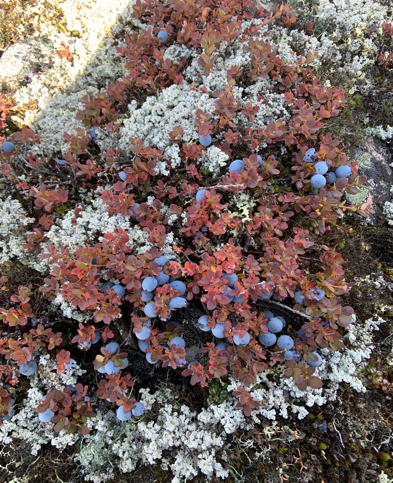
column 30, row 55
column 268, row 5
column 374, row 159
column 193, row 353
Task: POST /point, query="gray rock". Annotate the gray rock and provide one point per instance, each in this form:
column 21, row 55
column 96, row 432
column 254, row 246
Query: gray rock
column 373, row 160
column 193, row 353
column 30, row 55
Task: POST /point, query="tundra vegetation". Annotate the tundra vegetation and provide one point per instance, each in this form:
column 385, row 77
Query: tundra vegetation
column 191, row 289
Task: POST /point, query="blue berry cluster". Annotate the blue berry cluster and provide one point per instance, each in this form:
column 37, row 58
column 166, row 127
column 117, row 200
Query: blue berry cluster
column 319, row 181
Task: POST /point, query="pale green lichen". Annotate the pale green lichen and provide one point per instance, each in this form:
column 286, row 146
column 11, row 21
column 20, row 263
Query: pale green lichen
column 360, row 197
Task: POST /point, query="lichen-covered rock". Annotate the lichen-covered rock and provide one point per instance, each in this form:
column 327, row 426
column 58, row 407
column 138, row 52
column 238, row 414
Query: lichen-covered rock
column 28, row 56
column 374, row 161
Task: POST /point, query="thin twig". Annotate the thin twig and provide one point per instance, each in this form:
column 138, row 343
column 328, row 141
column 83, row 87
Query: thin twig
column 341, row 440
column 289, row 308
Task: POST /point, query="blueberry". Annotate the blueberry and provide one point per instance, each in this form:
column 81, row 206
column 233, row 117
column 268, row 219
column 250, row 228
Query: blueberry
column 122, row 175
column 275, row 325
column 205, row 140
column 315, row 363
column 8, row 417
column 112, row 347
column 318, row 293
column 46, row 416
column 161, row 261
column 111, row 369
column 138, row 409
column 259, row 159
column 70, row 365
column 122, row 415
column 238, row 299
column 144, row 333
column 236, row 166
column 284, row 322
column 268, row 315
column 299, row 298
column 135, row 205
column 143, row 345
column 119, row 289
column 265, row 296
column 226, row 294
column 93, row 133
column 178, row 285
column 162, row 278
column 343, row 171
column 300, row 334
column 285, row 342
column 146, row 296
column 101, row 370
column 310, row 156
column 149, row 360
column 289, row 355
column 97, row 337
column 318, row 181
column 106, row 285
column 84, row 345
column 177, row 303
column 321, row 167
column 162, row 36
column 202, row 323
column 218, row 331
column 331, row 177
column 149, row 284
column 28, row 369
column 60, row 162
column 241, row 341
column 179, row 341
column 8, row 147
column 230, row 278
column 222, row 346
column 268, row 339
column 200, row 195
column 150, row 310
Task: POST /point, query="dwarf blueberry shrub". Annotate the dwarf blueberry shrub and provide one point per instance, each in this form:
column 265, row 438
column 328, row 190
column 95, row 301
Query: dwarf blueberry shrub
column 227, row 251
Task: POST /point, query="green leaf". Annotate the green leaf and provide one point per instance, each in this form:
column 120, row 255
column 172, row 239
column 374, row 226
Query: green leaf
column 315, row 382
